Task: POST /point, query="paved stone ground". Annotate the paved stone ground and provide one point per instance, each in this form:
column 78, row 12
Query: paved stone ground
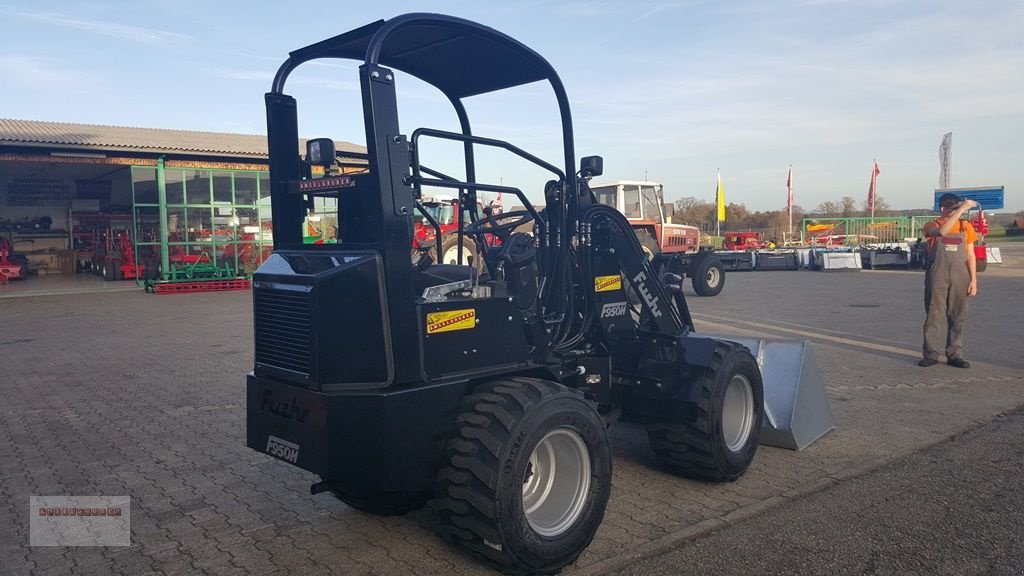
column 954, row 509
column 142, row 395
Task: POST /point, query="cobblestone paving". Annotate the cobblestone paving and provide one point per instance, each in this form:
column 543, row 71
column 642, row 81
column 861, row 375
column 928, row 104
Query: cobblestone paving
column 140, row 395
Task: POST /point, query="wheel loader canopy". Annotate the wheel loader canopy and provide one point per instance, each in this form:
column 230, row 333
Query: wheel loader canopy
column 426, row 46
column 458, row 57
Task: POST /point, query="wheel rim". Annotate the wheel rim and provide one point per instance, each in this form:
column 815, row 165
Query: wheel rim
column 451, row 256
column 738, row 413
column 713, row 276
column 557, row 482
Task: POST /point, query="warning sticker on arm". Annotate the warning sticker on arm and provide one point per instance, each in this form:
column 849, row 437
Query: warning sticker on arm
column 607, row 283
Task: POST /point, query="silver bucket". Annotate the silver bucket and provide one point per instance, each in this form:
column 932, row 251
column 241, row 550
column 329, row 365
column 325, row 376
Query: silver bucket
column 796, row 407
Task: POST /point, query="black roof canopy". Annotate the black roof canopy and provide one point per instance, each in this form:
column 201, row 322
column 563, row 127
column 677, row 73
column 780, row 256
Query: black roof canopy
column 459, row 57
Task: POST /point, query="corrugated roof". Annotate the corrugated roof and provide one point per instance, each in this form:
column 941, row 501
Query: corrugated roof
column 130, row 139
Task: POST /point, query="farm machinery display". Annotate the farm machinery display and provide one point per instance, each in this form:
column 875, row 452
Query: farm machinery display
column 488, row 391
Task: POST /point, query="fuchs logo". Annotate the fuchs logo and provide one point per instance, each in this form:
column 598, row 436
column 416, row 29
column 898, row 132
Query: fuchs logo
column 282, row 449
column 613, row 310
column 640, row 281
column 290, row 410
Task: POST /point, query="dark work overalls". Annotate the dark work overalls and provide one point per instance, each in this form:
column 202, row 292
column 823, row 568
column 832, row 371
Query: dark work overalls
column 945, row 296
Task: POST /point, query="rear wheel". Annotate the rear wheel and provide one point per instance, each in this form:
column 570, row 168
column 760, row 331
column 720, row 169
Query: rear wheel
column 721, row 441
column 528, row 475
column 707, row 275
column 450, row 250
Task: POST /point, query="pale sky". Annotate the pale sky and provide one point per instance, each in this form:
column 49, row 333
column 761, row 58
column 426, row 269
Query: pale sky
column 673, row 89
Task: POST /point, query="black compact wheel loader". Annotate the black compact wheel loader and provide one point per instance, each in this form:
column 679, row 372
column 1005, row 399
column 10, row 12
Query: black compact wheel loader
column 486, row 389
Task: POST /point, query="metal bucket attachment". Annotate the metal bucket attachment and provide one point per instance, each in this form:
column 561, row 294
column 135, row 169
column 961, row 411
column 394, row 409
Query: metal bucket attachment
column 777, row 261
column 796, row 408
column 831, row 261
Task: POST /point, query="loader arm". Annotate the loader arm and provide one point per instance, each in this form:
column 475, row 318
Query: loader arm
column 612, row 242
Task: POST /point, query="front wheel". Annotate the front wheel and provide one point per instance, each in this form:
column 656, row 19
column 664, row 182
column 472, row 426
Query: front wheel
column 707, row 275
column 720, row 443
column 528, row 475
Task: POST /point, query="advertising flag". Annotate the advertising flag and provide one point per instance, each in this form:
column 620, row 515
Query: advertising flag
column 873, row 189
column 789, row 189
column 945, row 160
column 789, row 198
column 720, row 199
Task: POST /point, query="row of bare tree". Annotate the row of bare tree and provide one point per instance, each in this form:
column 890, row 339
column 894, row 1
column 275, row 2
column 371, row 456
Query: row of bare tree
column 773, row 223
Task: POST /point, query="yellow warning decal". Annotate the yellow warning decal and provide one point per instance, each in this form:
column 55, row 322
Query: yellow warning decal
column 607, row 283
column 451, row 320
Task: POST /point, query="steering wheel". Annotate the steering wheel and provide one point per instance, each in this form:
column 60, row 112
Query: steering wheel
column 497, row 225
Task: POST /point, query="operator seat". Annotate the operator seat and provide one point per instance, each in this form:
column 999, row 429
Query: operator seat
column 438, row 274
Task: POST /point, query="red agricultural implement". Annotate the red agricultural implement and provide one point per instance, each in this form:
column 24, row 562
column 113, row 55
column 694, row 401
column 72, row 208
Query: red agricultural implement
column 8, row 269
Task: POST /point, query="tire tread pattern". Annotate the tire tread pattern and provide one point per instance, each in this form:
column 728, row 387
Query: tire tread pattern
column 687, row 447
column 466, row 488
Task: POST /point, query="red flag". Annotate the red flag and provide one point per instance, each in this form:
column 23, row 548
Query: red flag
column 789, row 189
column 872, row 190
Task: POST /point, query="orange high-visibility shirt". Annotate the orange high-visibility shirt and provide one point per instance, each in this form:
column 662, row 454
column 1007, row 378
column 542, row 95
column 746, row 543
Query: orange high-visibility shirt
column 970, row 236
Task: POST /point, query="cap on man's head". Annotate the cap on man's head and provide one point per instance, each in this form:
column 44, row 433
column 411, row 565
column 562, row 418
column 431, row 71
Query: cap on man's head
column 948, row 200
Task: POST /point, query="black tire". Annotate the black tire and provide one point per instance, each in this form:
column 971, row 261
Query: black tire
column 107, row 270
column 116, row 271
column 980, row 265
column 451, row 242
column 483, row 490
column 384, row 503
column 707, row 275
column 700, row 449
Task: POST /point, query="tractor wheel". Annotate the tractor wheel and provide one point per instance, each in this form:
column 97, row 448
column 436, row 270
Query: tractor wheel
column 707, row 275
column 450, row 251
column 980, row 265
column 528, row 475
column 107, row 270
column 721, row 441
column 382, row 503
column 115, row 268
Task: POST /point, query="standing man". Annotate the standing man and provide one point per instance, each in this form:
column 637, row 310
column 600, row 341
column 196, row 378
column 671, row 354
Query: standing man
column 951, row 279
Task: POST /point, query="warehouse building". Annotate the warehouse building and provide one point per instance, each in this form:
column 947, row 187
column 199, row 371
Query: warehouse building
column 80, row 205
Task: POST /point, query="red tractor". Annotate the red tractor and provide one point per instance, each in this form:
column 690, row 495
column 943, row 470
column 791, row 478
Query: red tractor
column 444, row 210
column 744, row 241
